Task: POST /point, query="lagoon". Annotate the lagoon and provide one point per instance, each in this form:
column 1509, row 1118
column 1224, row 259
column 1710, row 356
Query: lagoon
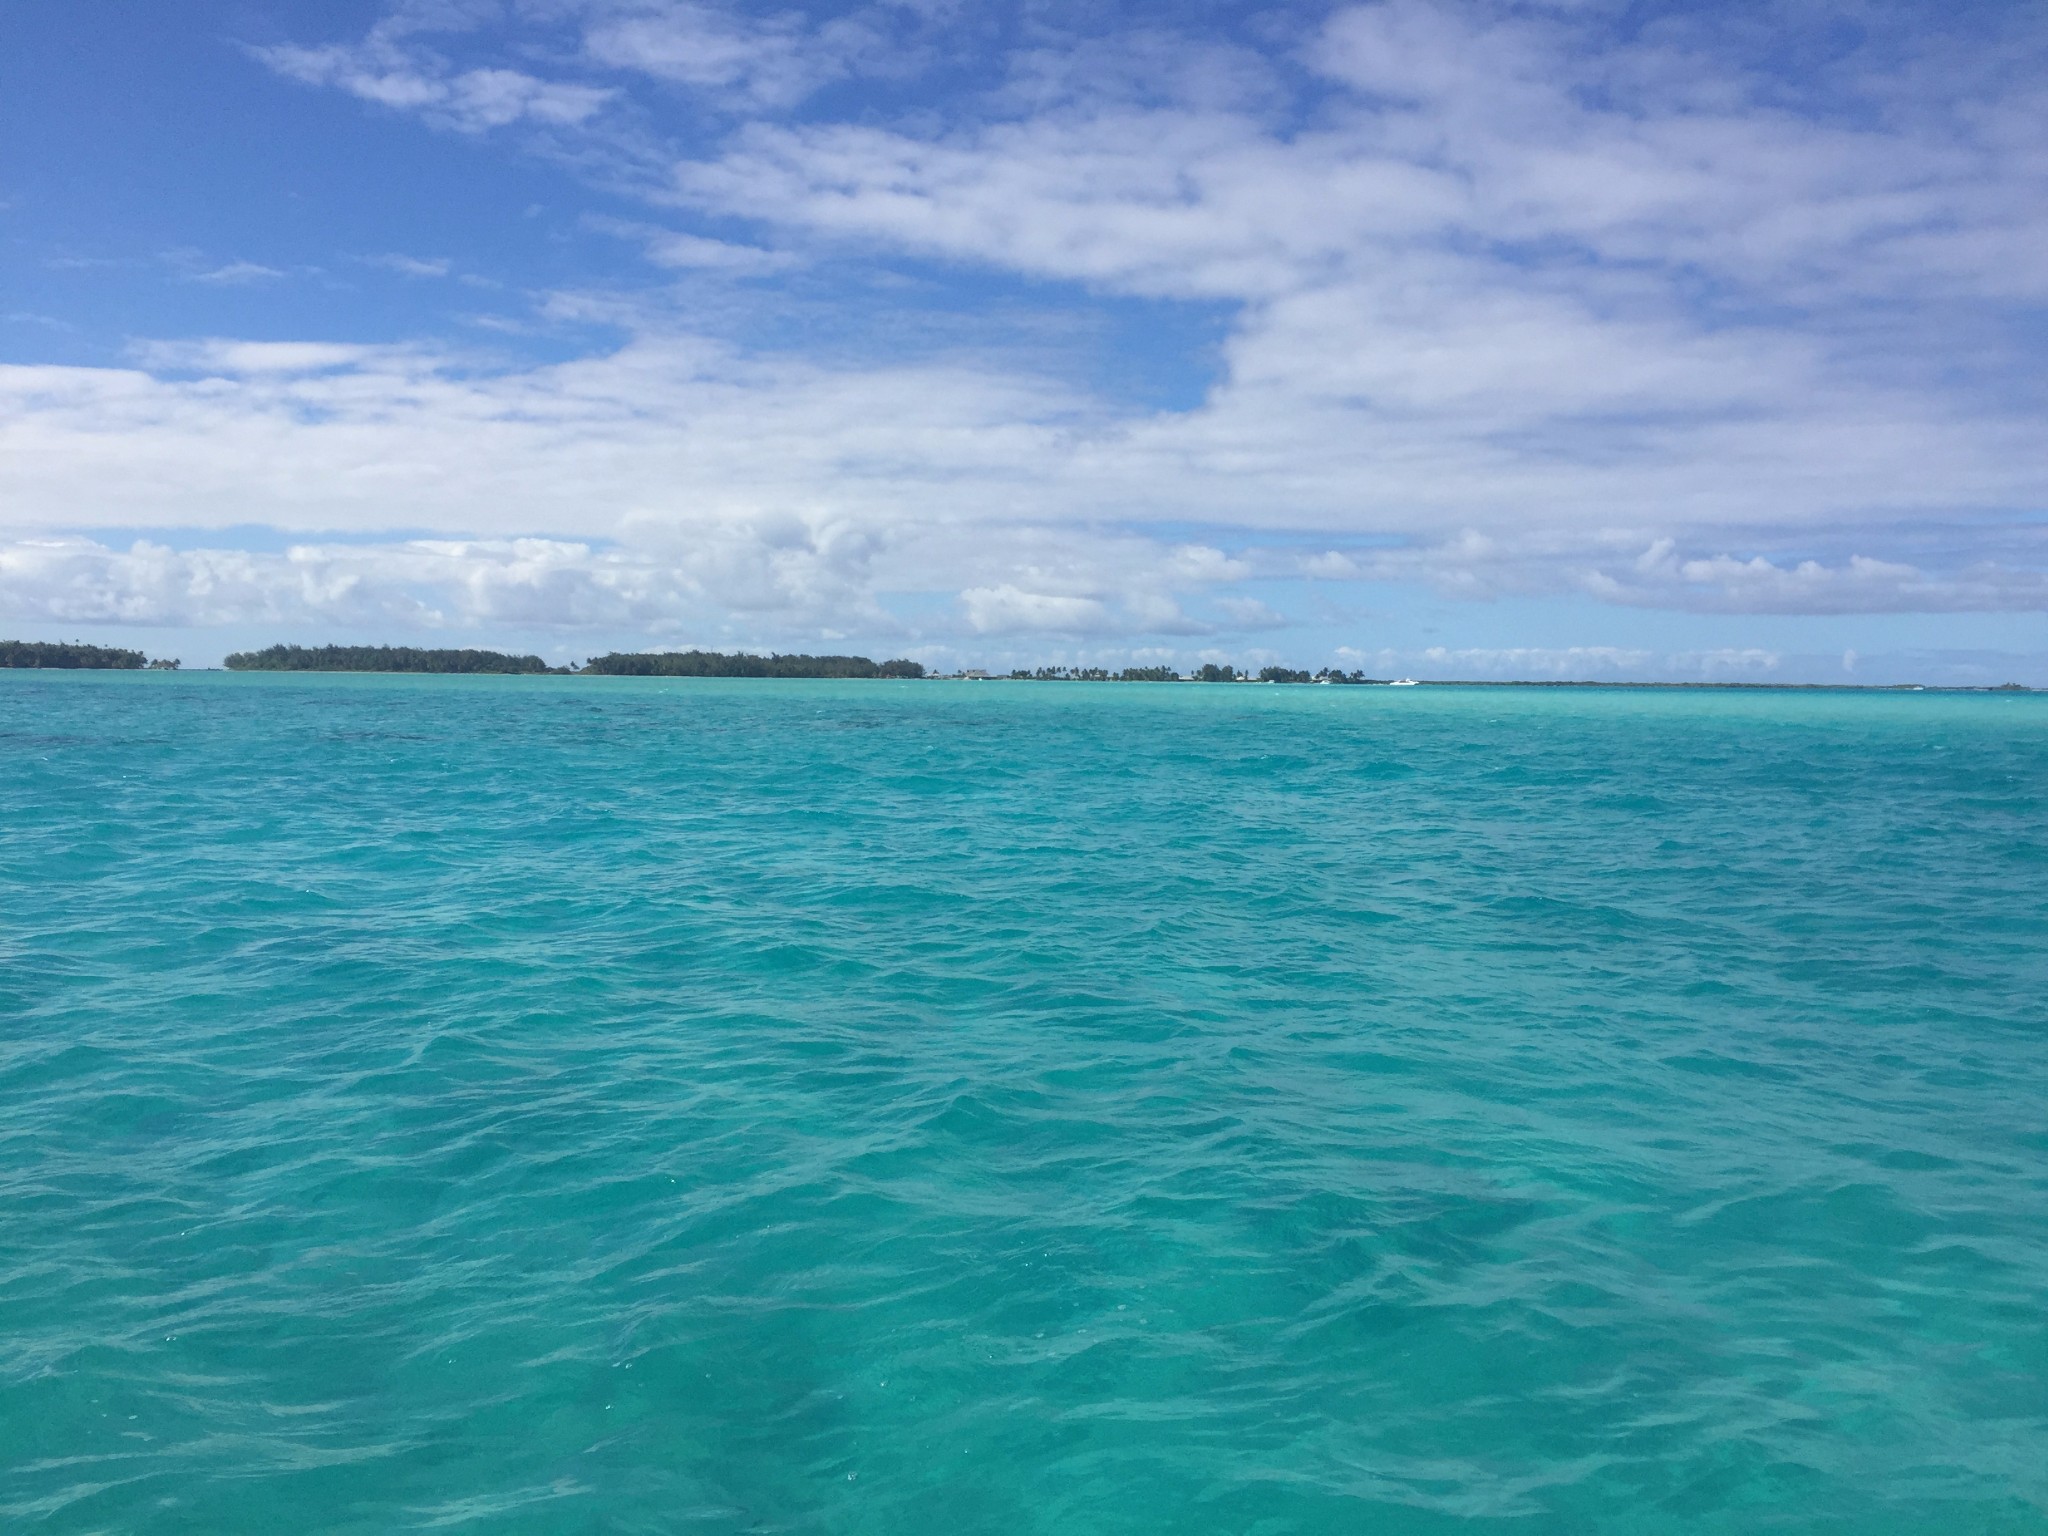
column 563, row 1104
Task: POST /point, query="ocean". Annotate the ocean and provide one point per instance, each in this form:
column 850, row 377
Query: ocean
column 565, row 1105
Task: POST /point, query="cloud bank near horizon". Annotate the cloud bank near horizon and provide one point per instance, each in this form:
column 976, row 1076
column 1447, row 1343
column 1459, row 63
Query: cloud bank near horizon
column 1714, row 312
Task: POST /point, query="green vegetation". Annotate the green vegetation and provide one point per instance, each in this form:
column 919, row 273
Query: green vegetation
column 71, row 655
column 712, row 664
column 1094, row 675
column 381, row 658
column 1212, row 673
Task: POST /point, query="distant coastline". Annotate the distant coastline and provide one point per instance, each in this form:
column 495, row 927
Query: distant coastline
column 77, row 656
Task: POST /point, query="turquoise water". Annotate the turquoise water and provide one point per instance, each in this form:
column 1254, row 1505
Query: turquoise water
column 578, row 1105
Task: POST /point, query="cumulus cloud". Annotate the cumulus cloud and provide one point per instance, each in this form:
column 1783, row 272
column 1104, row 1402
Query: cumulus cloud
column 739, row 577
column 1010, row 609
column 420, row 585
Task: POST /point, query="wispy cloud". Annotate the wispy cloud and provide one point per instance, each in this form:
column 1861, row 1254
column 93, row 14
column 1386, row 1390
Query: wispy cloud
column 410, row 266
column 237, row 272
column 383, row 70
column 1618, row 567
column 768, row 61
column 225, row 358
column 679, row 250
column 86, row 263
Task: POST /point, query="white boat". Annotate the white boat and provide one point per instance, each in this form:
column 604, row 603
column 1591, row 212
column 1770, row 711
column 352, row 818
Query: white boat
column 1402, row 682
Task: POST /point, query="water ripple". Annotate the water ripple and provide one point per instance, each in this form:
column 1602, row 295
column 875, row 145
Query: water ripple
column 539, row 1105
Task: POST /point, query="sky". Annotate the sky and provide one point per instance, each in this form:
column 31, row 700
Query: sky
column 1579, row 339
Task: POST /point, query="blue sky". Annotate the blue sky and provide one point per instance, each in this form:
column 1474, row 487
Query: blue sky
column 1578, row 339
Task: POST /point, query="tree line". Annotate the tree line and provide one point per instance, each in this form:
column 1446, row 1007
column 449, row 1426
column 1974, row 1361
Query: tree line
column 405, row 658
column 382, row 658
column 73, row 655
column 713, row 664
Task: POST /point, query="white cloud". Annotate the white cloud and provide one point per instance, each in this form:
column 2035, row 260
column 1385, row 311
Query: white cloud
column 218, row 355
column 1573, row 663
column 724, row 55
column 383, row 71
column 306, row 436
column 673, row 432
column 1251, row 613
column 669, row 248
column 1008, row 609
column 739, row 577
column 775, row 60
column 1473, row 296
column 1622, row 568
column 1535, row 661
column 410, row 266
column 1861, row 584
column 418, row 585
column 1499, row 140
column 677, row 249
column 237, row 272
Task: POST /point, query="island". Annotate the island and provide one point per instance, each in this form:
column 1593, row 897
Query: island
column 383, row 658
column 74, row 656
